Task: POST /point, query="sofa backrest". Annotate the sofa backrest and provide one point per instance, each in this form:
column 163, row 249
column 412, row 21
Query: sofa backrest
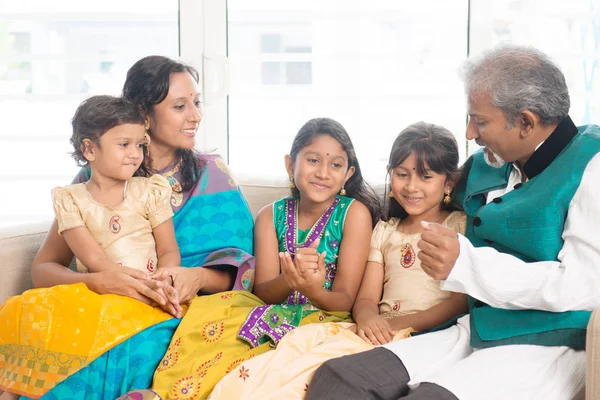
column 18, row 245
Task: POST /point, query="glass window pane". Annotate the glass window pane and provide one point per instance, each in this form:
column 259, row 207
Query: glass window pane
column 271, row 73
column 270, row 43
column 376, row 67
column 569, row 32
column 298, row 73
column 51, row 60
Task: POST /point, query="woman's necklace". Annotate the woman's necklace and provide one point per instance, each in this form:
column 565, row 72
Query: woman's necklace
column 177, row 189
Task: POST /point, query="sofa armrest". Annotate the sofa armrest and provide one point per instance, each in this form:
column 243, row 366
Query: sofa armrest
column 18, row 247
column 592, row 349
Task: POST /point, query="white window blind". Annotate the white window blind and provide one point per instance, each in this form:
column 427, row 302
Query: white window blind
column 373, row 66
column 378, row 66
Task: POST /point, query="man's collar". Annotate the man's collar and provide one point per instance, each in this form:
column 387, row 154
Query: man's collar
column 559, row 139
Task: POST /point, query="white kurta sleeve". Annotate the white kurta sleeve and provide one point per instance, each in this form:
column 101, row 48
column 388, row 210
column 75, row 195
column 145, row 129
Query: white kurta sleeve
column 572, row 283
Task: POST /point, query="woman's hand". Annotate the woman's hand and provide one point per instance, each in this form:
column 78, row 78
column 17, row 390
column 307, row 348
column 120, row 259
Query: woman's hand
column 375, row 330
column 186, row 281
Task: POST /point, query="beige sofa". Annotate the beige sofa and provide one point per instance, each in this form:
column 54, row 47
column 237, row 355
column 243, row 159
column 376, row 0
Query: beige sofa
column 18, row 246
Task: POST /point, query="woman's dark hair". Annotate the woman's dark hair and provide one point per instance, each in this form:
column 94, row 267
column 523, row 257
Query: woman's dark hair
column 356, row 187
column 97, row 115
column 435, row 149
column 147, row 84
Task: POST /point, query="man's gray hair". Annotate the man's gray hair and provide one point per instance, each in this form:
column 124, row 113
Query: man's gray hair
column 519, row 78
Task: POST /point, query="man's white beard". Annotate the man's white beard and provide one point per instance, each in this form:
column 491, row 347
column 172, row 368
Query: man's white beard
column 492, row 159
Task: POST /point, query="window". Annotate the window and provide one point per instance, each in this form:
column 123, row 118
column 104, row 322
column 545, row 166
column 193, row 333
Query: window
column 378, row 66
column 568, row 32
column 373, row 66
column 282, row 72
column 267, row 66
column 51, row 60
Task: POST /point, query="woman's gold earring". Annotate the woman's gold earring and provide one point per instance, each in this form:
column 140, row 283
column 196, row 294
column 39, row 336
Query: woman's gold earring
column 447, row 198
column 147, row 141
column 292, row 185
column 343, row 191
column 391, row 195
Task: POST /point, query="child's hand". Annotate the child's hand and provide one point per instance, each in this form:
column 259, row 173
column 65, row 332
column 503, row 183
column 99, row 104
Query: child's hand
column 375, row 330
column 128, row 282
column 307, row 258
column 167, row 288
column 306, row 272
column 173, row 307
column 311, row 267
column 313, row 274
column 290, row 273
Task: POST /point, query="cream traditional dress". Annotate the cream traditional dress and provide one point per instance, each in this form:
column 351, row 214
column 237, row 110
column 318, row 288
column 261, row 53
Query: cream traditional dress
column 124, row 231
column 50, row 334
column 286, row 372
column 67, row 342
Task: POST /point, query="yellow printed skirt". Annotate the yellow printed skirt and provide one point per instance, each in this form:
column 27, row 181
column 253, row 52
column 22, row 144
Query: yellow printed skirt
column 286, row 372
column 48, row 334
column 206, row 346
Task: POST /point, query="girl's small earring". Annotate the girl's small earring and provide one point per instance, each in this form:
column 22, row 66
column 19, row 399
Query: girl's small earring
column 292, row 185
column 343, row 191
column 447, row 198
column 391, row 195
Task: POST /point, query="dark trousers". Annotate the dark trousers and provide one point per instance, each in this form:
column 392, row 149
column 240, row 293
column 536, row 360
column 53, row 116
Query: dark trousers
column 376, row 374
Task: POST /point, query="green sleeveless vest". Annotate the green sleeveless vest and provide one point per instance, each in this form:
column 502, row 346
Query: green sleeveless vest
column 526, row 222
column 330, row 238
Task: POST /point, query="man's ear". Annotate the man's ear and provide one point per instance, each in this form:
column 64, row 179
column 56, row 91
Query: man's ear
column 88, row 149
column 289, row 165
column 529, row 122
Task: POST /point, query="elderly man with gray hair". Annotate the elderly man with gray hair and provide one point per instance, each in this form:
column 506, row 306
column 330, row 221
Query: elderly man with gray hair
column 529, row 259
